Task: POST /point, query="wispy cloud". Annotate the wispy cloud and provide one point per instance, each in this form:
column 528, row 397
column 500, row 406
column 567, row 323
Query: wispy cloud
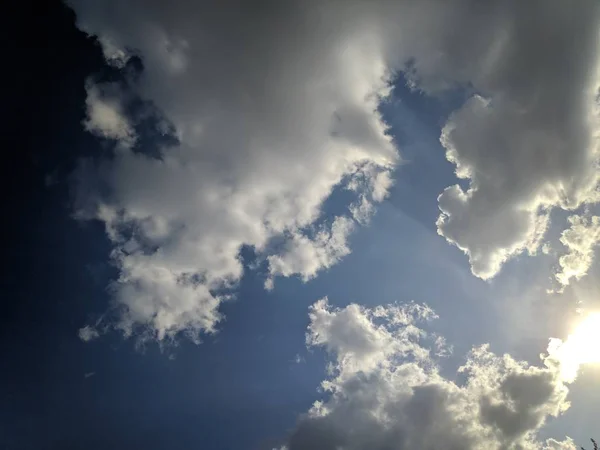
column 88, row 333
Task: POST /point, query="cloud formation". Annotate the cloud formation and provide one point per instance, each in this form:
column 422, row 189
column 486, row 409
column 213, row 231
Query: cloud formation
column 275, row 105
column 306, row 256
column 88, row 333
column 527, row 142
column 105, row 115
column 580, row 240
column 385, row 390
column 272, row 110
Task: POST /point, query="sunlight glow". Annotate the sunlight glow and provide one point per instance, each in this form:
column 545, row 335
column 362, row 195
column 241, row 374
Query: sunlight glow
column 581, row 347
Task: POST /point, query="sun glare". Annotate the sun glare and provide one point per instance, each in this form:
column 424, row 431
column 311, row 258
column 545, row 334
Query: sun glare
column 581, row 347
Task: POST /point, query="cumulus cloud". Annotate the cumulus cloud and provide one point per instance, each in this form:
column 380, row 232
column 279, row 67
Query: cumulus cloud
column 306, row 256
column 385, row 390
column 272, row 107
column 527, row 142
column 580, row 239
column 276, row 105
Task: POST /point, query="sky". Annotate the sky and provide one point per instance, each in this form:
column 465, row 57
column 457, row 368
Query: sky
column 301, row 225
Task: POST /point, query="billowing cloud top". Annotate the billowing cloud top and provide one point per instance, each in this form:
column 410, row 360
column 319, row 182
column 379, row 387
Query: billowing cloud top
column 580, row 240
column 385, row 391
column 274, row 104
column 272, row 108
column 528, row 141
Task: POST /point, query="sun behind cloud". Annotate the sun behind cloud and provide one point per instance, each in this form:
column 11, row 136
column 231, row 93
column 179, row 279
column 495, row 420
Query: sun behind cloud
column 581, row 347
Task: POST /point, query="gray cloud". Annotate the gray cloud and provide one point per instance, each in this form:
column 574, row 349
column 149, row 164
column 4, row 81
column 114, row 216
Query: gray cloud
column 88, row 333
column 274, row 105
column 105, row 115
column 385, row 391
column 528, row 142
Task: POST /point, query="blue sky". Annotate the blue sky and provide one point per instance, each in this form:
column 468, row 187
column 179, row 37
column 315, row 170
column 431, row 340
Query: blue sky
column 162, row 183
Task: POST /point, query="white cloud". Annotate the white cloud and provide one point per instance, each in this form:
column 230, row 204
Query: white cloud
column 580, row 239
column 528, row 142
column 385, row 391
column 105, row 115
column 546, row 248
column 274, row 106
column 306, row 256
